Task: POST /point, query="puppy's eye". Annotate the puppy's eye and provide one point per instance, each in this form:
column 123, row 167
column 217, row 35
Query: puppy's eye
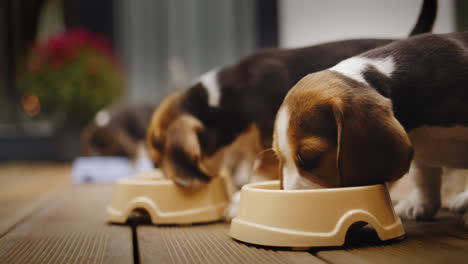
column 307, row 162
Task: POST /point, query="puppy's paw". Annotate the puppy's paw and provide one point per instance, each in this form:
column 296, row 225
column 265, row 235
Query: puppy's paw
column 414, row 209
column 460, row 204
column 231, row 210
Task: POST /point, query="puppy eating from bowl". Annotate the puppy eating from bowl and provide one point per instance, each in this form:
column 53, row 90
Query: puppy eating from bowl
column 358, row 122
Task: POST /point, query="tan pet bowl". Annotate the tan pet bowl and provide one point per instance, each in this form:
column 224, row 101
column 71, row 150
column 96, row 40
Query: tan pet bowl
column 311, row 218
column 167, row 203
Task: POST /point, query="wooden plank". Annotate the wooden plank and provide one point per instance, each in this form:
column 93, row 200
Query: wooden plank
column 299, row 257
column 208, row 243
column 441, row 241
column 24, row 187
column 70, row 229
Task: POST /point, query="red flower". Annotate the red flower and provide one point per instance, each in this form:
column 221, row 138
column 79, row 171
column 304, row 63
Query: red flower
column 63, row 48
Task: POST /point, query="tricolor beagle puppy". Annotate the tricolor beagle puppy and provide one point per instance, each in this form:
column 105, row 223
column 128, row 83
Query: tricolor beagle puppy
column 191, row 131
column 358, row 122
column 119, row 131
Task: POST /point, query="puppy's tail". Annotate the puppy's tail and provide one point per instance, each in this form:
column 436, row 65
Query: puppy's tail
column 426, row 18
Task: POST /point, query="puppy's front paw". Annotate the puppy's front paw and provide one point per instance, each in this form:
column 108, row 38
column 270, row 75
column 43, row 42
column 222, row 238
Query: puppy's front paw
column 460, row 203
column 231, row 210
column 414, row 209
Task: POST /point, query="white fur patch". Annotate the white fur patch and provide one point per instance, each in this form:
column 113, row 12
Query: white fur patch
column 210, row 81
column 292, row 180
column 231, row 210
column 354, row 66
column 241, row 175
column 282, row 125
column 102, row 118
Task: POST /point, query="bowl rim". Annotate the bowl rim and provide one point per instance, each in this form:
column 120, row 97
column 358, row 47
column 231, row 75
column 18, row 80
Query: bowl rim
column 148, row 182
column 254, row 188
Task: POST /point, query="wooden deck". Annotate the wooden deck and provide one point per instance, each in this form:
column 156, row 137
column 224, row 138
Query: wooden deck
column 45, row 219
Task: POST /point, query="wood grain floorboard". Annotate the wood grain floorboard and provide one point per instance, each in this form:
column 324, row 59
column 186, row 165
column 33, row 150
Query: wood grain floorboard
column 71, row 229
column 24, row 187
column 208, row 243
column 44, row 219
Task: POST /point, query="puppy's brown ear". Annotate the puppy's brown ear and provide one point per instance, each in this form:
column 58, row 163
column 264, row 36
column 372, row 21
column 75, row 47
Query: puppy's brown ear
column 162, row 117
column 154, row 145
column 373, row 147
column 184, row 156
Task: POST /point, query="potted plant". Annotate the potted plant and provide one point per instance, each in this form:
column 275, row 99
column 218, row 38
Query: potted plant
column 68, row 78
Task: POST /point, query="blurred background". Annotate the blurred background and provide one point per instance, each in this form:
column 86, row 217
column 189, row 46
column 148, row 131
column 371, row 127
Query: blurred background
column 61, row 61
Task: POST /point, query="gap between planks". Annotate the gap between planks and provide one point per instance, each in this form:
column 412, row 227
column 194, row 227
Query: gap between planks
column 207, row 243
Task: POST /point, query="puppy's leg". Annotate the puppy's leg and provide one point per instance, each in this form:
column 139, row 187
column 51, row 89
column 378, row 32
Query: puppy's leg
column 240, row 177
column 231, row 210
column 460, row 205
column 424, row 200
column 240, row 174
column 460, row 202
column 264, row 168
column 453, row 183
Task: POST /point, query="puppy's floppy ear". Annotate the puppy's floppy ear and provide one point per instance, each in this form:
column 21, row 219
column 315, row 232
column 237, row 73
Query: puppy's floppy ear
column 154, row 145
column 373, row 147
column 184, row 156
column 162, row 117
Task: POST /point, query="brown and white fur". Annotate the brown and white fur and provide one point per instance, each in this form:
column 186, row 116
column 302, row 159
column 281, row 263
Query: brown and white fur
column 358, row 122
column 192, row 132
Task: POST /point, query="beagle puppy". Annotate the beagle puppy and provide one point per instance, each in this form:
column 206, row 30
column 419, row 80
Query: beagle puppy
column 119, row 131
column 191, row 132
column 358, row 122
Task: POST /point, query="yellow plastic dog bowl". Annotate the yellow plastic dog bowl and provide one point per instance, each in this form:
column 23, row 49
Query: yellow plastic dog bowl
column 311, row 218
column 167, row 203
